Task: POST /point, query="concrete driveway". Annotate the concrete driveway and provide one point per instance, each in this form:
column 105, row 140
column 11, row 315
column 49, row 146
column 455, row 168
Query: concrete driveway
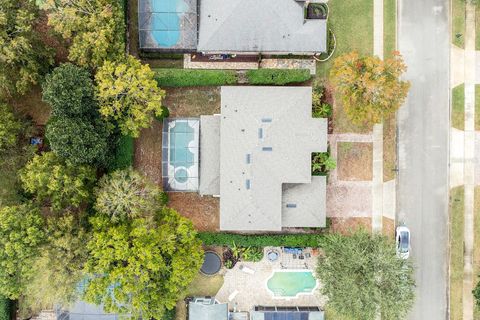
column 422, row 191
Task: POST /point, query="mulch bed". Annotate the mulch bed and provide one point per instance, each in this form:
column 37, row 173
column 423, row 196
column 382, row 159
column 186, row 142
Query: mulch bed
column 347, row 226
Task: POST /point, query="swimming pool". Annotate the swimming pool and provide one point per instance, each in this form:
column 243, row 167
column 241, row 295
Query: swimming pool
column 180, row 154
column 167, row 23
column 290, row 284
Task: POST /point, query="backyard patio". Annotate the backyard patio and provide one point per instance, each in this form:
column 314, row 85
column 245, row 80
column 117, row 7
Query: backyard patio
column 245, row 285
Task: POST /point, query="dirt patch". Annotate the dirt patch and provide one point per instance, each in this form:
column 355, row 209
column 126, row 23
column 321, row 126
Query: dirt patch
column 148, row 152
column 31, row 106
column 192, row 102
column 348, row 226
column 389, row 148
column 355, row 161
column 388, row 227
column 203, row 211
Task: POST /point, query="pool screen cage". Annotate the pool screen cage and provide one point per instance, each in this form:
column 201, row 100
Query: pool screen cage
column 168, row 25
column 180, row 154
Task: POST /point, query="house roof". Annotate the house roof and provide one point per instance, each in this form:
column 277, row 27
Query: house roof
column 267, row 136
column 268, row 26
column 209, row 155
column 198, row 311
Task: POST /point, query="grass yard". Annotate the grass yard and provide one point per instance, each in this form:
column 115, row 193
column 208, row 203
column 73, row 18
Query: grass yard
column 201, row 286
column 458, row 107
column 389, row 27
column 458, row 23
column 355, row 161
column 477, row 106
column 389, row 148
column 352, row 24
column 456, row 252
column 192, row 102
column 477, row 29
column 343, row 124
column 476, row 245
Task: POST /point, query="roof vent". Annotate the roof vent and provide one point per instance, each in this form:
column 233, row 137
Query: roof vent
column 291, row 205
column 247, row 184
column 266, row 120
column 260, row 133
column 267, row 149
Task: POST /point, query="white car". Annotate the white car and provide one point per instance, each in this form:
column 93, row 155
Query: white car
column 402, row 235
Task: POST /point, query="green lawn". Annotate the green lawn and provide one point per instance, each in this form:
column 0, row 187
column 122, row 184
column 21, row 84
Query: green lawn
column 201, row 286
column 458, row 23
column 477, row 29
column 352, row 24
column 458, row 107
column 389, row 27
column 456, row 252
column 476, row 244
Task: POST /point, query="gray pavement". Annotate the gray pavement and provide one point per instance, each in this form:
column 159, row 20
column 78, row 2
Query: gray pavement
column 422, row 191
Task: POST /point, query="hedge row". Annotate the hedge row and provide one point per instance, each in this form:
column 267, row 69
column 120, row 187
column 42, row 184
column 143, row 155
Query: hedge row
column 277, row 76
column 5, row 309
column 266, row 240
column 191, row 77
column 123, row 154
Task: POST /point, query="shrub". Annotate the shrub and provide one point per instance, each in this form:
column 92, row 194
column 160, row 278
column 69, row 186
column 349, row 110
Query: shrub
column 192, row 77
column 322, row 163
column 123, row 154
column 263, row 240
column 5, row 308
column 277, row 76
column 320, row 109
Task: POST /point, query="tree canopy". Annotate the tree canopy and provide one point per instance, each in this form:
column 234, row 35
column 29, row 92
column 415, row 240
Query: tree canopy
column 21, row 234
column 126, row 194
column 79, row 140
column 362, row 275
column 62, row 183
column 96, row 29
column 69, row 90
column 59, row 267
column 128, row 95
column 24, row 59
column 9, row 127
column 143, row 266
column 370, row 88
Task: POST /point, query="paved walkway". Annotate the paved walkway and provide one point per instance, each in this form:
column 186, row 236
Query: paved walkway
column 377, row 190
column 469, row 158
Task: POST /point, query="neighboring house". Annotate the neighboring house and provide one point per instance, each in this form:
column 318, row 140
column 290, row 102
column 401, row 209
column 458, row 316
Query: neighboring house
column 256, row 155
column 230, row 26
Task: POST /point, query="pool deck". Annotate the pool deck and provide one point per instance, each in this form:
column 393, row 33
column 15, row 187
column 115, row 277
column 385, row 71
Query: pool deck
column 252, row 288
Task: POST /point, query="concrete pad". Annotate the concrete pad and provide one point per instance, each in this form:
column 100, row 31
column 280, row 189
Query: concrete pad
column 457, row 68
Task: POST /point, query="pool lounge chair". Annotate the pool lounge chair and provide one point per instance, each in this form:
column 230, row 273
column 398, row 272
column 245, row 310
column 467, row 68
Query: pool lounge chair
column 247, row 269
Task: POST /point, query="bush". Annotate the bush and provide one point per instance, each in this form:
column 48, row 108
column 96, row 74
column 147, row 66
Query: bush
column 192, row 77
column 264, row 240
column 5, row 308
column 123, row 154
column 169, row 314
column 322, row 163
column 277, row 76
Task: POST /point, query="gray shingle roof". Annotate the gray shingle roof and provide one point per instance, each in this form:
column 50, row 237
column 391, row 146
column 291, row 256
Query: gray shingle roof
column 268, row 26
column 267, row 135
column 209, row 155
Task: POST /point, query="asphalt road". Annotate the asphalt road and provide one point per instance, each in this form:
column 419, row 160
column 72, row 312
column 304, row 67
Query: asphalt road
column 423, row 123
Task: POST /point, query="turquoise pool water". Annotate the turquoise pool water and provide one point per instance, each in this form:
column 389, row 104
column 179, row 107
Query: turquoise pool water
column 165, row 23
column 180, row 156
column 291, row 283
